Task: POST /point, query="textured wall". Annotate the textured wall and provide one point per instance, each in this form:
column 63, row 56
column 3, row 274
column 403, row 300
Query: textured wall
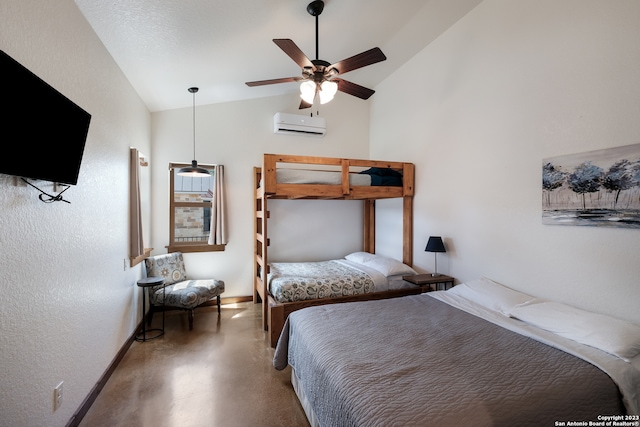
column 509, row 84
column 68, row 303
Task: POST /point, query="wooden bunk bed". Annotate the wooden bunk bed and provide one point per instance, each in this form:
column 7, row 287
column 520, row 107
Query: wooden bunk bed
column 268, row 186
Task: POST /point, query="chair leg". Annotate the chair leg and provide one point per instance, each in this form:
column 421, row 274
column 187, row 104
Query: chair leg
column 218, row 300
column 190, row 313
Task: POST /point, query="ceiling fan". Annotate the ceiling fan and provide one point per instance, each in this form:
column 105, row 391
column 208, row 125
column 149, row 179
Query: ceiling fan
column 319, row 76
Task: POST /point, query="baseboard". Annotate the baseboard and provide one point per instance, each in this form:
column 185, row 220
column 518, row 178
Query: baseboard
column 91, row 397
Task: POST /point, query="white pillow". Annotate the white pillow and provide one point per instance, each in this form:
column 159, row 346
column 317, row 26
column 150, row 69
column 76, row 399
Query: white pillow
column 360, row 257
column 385, row 265
column 614, row 336
column 491, row 295
column 389, row 266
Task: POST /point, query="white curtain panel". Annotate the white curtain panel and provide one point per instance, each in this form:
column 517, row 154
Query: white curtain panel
column 218, row 233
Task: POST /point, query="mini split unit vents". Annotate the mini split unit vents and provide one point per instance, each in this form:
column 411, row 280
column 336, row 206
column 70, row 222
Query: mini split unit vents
column 299, row 124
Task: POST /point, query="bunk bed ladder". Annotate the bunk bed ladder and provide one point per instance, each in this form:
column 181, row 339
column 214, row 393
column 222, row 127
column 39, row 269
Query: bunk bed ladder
column 261, row 268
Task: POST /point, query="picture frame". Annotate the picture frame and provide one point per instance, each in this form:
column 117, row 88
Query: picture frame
column 594, row 188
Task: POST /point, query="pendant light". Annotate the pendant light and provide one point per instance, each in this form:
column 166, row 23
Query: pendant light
column 194, row 170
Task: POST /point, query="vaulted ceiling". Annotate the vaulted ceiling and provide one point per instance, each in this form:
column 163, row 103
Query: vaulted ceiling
column 166, row 46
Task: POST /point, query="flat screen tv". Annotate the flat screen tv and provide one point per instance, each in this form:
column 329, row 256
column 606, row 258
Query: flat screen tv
column 44, row 131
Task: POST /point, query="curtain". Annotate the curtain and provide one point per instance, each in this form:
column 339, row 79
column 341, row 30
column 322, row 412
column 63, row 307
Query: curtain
column 136, row 244
column 218, row 230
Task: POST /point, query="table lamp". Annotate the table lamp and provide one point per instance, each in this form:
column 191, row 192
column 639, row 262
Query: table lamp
column 435, row 245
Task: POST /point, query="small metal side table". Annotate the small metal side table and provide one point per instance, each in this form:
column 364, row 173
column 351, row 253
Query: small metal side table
column 427, row 280
column 146, row 284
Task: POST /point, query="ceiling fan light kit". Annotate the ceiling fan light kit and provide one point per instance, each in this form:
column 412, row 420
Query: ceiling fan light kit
column 328, row 90
column 318, row 78
column 308, row 91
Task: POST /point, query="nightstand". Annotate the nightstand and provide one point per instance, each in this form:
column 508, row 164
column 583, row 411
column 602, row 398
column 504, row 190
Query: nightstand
column 426, row 280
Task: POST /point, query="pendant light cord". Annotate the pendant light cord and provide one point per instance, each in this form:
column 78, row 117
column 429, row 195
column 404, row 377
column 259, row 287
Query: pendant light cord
column 193, row 90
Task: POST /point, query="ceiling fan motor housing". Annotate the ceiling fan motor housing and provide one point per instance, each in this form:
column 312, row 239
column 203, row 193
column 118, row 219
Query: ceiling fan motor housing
column 321, row 72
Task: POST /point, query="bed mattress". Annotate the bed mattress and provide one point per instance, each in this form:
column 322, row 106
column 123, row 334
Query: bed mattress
column 371, row 176
column 301, row 176
column 416, row 360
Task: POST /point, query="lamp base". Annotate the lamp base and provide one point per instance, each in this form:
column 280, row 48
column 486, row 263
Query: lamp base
column 435, row 274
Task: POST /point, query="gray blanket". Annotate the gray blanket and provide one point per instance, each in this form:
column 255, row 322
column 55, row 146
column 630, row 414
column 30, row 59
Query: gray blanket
column 416, row 361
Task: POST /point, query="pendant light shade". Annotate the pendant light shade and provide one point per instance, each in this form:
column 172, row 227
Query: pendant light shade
column 194, row 170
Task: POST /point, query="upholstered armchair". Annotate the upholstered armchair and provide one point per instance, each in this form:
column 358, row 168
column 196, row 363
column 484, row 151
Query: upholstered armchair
column 180, row 292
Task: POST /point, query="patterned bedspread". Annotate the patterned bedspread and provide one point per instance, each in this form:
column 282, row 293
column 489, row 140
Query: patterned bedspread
column 417, row 361
column 293, row 281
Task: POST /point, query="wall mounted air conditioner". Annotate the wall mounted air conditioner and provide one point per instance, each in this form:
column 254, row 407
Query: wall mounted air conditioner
column 298, row 124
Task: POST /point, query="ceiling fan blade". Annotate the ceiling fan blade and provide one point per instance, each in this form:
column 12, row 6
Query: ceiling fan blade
column 353, row 89
column 294, row 52
column 274, row 81
column 304, row 104
column 360, row 60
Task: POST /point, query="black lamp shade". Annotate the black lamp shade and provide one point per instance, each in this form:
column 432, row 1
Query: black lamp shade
column 194, row 171
column 435, row 244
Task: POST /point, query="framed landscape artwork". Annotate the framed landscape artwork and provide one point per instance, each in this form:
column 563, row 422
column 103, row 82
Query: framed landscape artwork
column 598, row 188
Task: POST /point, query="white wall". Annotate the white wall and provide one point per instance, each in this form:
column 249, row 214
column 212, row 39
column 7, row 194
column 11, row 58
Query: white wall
column 509, row 84
column 236, row 134
column 68, row 304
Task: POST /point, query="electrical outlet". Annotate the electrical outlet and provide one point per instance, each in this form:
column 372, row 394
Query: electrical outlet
column 126, row 264
column 57, row 396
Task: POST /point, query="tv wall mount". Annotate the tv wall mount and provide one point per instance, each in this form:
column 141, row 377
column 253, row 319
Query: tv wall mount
column 49, row 198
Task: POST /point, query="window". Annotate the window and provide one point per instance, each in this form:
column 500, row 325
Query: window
column 190, row 211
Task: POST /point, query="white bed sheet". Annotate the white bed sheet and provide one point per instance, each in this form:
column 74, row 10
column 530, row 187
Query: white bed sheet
column 382, row 282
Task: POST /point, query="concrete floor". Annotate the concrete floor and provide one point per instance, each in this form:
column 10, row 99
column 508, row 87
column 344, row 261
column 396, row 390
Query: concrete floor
column 218, row 374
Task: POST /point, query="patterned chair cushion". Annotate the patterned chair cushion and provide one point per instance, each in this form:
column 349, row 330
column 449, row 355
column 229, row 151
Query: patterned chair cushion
column 189, row 293
column 180, row 291
column 169, row 266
